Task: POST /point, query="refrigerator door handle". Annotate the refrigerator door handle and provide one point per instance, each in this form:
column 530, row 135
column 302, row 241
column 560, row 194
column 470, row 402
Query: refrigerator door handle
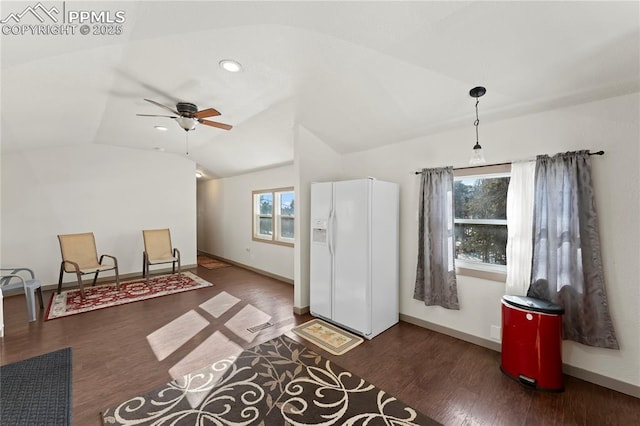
column 330, row 231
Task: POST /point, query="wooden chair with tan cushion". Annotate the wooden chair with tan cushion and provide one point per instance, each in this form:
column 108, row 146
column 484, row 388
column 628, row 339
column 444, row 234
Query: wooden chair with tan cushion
column 158, row 250
column 79, row 256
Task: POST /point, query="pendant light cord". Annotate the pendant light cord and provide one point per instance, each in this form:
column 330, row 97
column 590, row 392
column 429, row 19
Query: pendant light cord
column 475, row 123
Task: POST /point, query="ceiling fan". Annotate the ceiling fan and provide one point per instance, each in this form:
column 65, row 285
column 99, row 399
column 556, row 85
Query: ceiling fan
column 187, row 115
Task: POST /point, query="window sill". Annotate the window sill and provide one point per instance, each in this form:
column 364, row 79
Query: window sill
column 485, row 273
column 278, row 243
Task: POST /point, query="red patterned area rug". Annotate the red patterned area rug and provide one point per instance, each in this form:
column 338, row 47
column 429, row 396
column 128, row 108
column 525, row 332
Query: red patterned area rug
column 69, row 302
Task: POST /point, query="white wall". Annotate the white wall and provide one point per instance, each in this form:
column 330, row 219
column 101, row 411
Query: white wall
column 225, row 222
column 314, row 162
column 611, row 125
column 113, row 192
column 211, row 208
column 224, row 213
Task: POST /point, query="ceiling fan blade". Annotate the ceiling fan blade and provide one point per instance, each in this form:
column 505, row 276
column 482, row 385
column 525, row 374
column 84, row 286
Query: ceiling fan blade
column 153, row 115
column 209, row 112
column 146, row 86
column 163, row 106
column 215, row 124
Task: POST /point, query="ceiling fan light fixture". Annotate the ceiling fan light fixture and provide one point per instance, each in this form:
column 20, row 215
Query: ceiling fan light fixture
column 230, row 65
column 187, row 123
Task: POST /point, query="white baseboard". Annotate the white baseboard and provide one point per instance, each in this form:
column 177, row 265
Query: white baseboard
column 485, row 343
column 580, row 373
column 250, row 268
column 301, row 311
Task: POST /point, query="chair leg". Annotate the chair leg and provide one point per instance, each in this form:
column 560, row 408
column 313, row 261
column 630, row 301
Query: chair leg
column 31, row 304
column 60, row 278
column 39, row 290
column 117, row 279
column 95, row 278
column 80, row 285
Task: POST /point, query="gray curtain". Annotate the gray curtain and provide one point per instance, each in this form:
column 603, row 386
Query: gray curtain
column 567, row 265
column 436, row 276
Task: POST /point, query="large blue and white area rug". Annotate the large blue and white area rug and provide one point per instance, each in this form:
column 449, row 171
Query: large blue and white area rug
column 280, row 382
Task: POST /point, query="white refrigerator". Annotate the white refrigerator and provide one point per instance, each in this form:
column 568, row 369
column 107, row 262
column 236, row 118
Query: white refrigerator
column 354, row 254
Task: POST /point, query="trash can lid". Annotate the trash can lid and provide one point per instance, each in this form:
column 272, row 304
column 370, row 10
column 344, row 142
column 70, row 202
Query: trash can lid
column 531, row 304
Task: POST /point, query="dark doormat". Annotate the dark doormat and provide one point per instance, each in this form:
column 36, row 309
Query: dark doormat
column 37, row 391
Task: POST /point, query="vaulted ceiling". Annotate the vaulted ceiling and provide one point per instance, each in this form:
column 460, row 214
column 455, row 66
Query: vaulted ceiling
column 357, row 74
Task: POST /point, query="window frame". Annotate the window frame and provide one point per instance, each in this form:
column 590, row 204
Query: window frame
column 481, row 270
column 275, row 216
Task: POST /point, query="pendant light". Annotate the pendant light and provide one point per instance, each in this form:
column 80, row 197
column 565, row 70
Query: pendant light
column 477, row 157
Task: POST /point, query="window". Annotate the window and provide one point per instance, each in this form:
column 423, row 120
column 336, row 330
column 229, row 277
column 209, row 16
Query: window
column 274, row 216
column 480, row 204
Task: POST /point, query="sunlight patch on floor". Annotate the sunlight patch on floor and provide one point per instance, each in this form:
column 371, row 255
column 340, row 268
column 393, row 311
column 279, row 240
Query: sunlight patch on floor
column 205, row 365
column 248, row 317
column 167, row 339
column 215, row 348
column 219, row 304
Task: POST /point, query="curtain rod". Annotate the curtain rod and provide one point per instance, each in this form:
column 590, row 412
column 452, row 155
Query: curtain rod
column 501, row 164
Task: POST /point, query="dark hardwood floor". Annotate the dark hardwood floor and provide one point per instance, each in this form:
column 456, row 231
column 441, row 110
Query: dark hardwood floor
column 452, row 381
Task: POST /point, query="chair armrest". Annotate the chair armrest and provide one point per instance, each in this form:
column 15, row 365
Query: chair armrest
column 115, row 261
column 6, row 279
column 176, row 253
column 16, row 270
column 74, row 264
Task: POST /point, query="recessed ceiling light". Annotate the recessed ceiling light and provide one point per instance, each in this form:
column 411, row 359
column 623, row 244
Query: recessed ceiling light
column 230, row 65
column 158, row 148
column 199, row 175
column 161, row 128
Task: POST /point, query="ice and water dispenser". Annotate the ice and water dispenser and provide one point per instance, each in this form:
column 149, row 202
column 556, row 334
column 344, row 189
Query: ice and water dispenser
column 319, row 234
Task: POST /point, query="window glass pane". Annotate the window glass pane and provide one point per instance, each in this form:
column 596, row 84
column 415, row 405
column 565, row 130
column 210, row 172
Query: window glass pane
column 286, row 204
column 286, row 227
column 481, row 243
column 274, row 213
column 265, row 203
column 481, row 198
column 265, row 226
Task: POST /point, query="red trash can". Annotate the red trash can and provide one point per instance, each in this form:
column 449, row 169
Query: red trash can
column 532, row 342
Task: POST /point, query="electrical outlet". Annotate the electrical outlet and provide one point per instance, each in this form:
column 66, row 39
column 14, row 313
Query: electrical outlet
column 495, row 332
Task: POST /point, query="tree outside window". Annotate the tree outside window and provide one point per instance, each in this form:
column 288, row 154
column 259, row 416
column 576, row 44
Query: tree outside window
column 274, row 216
column 287, row 216
column 480, row 204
